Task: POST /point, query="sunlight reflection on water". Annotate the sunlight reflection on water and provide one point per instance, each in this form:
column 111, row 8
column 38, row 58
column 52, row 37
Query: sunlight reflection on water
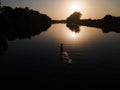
column 87, row 56
column 59, row 33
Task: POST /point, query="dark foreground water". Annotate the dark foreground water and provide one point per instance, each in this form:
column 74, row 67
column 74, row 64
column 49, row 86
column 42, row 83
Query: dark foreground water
column 90, row 60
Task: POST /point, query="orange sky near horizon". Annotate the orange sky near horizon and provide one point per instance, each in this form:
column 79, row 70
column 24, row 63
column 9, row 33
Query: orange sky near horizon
column 61, row 9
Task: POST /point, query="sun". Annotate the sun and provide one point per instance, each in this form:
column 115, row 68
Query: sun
column 75, row 7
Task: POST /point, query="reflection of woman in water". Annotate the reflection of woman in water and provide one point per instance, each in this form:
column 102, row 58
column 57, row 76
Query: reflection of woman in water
column 64, row 55
column 3, row 44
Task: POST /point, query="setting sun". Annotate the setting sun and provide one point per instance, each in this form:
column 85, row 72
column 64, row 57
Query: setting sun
column 75, row 7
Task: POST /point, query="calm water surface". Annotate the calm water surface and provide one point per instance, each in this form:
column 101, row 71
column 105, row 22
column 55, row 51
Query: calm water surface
column 92, row 59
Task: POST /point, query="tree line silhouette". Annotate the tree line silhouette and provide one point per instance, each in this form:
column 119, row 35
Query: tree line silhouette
column 24, row 22
column 20, row 23
column 107, row 23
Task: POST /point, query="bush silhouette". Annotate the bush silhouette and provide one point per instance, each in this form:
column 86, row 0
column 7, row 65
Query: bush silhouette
column 74, row 18
column 108, row 17
column 22, row 22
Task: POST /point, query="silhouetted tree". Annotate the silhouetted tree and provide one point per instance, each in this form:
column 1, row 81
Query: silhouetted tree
column 108, row 17
column 22, row 23
column 6, row 9
column 74, row 18
column 23, row 17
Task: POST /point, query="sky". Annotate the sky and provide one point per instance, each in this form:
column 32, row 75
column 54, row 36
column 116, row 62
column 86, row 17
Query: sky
column 61, row 9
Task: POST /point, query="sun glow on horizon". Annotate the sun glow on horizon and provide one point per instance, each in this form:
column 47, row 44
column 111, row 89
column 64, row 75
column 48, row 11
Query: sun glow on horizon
column 74, row 7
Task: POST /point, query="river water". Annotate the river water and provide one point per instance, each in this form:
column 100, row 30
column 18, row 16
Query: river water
column 90, row 59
